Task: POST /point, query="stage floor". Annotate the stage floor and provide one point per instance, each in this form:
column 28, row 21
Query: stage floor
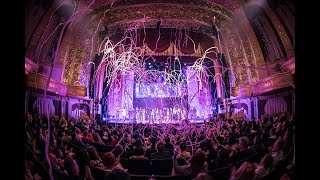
column 133, row 121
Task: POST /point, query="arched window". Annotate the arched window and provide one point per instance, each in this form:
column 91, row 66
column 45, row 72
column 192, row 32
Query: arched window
column 269, row 40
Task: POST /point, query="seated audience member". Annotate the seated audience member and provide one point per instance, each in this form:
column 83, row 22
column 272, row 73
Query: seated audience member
column 245, row 172
column 78, row 135
column 84, row 158
column 117, row 174
column 27, row 171
column 88, row 175
column 222, row 159
column 203, row 176
column 71, row 168
column 117, row 152
column 288, row 140
column 183, row 153
column 279, row 130
column 97, row 138
column 54, row 161
column 161, row 154
column 197, row 165
column 168, row 145
column 138, row 143
column 263, row 168
column 277, row 153
column 243, row 152
column 109, row 162
column 272, row 136
column 259, row 146
column 152, row 148
column 139, row 154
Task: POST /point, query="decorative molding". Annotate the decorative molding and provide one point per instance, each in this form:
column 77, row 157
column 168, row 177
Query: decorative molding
column 272, row 82
column 101, row 5
column 250, row 44
column 241, row 91
column 39, row 81
column 289, row 66
column 30, row 66
column 173, row 15
column 76, row 91
column 236, row 53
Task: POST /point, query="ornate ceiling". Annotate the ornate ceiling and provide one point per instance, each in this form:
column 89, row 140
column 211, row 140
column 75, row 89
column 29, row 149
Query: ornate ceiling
column 179, row 14
column 81, row 40
column 231, row 5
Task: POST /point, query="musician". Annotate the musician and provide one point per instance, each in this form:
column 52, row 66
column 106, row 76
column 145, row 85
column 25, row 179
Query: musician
column 117, row 113
column 124, row 113
column 137, row 112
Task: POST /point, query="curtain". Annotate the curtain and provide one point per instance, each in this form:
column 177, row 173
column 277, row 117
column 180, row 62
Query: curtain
column 261, row 105
column 44, row 106
column 80, row 113
column 75, row 113
column 239, row 111
column 275, row 105
column 63, row 108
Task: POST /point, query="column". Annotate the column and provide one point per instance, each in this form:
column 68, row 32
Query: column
column 248, row 102
column 256, row 113
column 293, row 95
column 218, row 79
column 100, row 87
column 127, row 90
column 63, row 108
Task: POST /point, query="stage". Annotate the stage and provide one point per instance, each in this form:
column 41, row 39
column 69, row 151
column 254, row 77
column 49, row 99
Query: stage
column 134, row 121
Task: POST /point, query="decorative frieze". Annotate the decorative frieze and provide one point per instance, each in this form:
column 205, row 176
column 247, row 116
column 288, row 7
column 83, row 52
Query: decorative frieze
column 273, row 82
column 39, row 81
column 289, row 66
column 30, row 66
column 241, row 91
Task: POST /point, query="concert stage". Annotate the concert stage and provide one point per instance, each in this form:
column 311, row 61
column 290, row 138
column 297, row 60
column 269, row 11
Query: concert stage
column 158, row 97
column 134, row 121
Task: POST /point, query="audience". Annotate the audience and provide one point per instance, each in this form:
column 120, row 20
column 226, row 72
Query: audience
column 76, row 147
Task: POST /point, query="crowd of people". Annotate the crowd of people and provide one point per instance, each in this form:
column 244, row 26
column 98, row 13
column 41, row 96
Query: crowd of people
column 219, row 149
